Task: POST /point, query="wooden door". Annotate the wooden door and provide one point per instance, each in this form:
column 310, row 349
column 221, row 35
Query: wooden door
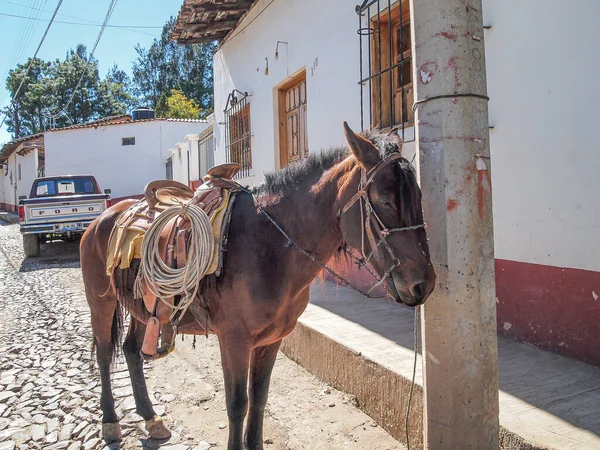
column 293, row 136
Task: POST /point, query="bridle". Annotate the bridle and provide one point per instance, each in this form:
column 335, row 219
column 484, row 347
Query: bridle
column 372, row 225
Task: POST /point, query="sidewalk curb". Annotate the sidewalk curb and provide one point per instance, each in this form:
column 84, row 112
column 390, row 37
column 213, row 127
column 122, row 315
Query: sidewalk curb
column 380, row 392
column 8, row 218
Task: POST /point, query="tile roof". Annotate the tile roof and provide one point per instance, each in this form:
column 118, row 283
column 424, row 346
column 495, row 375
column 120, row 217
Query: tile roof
column 208, row 20
column 10, row 147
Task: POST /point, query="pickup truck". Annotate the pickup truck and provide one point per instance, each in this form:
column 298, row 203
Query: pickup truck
column 59, row 207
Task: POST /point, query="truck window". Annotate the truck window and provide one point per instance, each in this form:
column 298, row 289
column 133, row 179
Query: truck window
column 45, row 188
column 65, row 187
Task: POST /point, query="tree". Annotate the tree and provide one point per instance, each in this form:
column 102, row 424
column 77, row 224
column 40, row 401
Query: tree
column 51, row 89
column 177, row 106
column 25, row 112
column 167, row 65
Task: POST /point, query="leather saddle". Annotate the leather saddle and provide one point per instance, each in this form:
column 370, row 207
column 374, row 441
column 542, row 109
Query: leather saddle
column 215, row 196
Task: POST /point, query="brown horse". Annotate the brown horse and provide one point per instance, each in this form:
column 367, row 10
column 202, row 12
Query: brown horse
column 323, row 204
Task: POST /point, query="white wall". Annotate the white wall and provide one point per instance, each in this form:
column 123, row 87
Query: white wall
column 123, row 169
column 322, row 39
column 545, row 100
column 29, row 167
column 542, row 72
column 179, row 161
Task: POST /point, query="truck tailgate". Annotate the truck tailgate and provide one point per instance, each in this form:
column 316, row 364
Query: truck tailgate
column 53, row 210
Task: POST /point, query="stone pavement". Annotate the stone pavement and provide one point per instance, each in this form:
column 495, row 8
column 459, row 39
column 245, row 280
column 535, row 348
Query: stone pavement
column 546, row 400
column 48, row 397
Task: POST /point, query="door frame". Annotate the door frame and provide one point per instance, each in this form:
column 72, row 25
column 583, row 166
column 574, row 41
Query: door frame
column 281, row 116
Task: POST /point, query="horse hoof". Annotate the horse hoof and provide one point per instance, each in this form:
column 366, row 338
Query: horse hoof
column 111, row 432
column 157, row 429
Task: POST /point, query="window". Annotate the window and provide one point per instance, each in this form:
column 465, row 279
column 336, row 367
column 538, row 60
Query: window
column 237, row 133
column 169, row 168
column 128, row 141
column 386, row 64
column 19, row 172
column 82, row 185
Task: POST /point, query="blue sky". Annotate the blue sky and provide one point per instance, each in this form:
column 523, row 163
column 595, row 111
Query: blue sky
column 21, row 35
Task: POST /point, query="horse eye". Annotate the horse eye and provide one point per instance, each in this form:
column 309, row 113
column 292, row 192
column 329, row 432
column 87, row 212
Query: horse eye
column 385, row 202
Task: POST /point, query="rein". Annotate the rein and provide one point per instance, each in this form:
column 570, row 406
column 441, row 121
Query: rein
column 370, row 222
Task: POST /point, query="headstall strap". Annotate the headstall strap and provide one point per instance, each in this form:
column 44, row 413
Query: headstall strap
column 372, row 224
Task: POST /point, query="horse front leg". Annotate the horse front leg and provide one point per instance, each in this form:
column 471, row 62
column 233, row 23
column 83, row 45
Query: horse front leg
column 143, row 406
column 235, row 358
column 261, row 367
column 106, row 329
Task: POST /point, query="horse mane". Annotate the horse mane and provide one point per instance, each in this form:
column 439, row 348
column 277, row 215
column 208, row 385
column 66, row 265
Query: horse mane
column 294, row 176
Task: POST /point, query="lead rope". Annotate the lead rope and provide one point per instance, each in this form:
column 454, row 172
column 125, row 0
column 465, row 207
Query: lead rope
column 412, row 384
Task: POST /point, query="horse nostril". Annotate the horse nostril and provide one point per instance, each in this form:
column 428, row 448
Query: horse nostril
column 419, row 290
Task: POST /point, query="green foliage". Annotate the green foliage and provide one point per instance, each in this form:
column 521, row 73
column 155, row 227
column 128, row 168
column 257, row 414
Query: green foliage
column 177, row 106
column 50, row 85
column 167, row 65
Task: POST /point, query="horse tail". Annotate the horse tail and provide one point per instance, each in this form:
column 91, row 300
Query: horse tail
column 116, row 333
column 116, row 338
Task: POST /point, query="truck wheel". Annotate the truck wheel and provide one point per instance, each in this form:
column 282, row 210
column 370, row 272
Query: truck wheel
column 31, row 245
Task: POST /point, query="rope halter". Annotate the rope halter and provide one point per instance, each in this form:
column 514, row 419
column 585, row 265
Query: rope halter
column 372, row 225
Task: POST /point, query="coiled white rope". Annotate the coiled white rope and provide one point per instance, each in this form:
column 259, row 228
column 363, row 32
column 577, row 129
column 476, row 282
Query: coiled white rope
column 165, row 282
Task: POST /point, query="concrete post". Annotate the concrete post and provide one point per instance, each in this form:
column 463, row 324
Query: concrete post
column 460, row 353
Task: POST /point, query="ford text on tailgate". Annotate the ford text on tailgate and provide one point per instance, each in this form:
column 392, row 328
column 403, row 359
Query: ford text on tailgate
column 60, row 207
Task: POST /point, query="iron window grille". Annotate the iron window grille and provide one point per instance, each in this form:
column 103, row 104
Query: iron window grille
column 206, row 154
column 386, row 85
column 169, row 169
column 128, row 141
column 238, row 137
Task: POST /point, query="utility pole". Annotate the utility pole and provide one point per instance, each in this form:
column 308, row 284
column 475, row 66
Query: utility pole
column 460, row 354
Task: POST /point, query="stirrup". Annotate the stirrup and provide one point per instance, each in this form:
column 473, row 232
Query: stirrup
column 150, row 350
column 161, row 352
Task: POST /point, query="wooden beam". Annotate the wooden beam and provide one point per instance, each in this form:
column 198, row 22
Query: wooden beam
column 222, row 25
column 203, row 39
column 222, row 7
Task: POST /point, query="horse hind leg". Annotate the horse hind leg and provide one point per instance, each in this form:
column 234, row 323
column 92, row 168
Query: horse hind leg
column 106, row 325
column 143, row 406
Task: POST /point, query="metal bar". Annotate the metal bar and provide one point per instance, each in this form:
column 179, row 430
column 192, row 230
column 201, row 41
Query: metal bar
column 403, row 106
column 390, row 48
column 399, row 63
column 362, row 126
column 379, row 63
column 367, row 6
column 370, row 72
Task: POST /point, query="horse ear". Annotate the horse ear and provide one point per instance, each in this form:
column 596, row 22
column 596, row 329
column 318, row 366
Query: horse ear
column 366, row 153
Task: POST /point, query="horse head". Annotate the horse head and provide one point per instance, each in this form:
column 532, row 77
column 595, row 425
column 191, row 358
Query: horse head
column 383, row 219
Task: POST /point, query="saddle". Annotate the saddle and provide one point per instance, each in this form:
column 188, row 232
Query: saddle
column 216, row 196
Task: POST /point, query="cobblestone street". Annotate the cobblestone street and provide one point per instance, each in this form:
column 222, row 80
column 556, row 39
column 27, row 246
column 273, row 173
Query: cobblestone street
column 49, row 395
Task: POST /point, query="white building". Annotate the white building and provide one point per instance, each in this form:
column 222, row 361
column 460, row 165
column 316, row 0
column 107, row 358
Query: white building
column 123, row 154
column 287, row 75
column 22, row 161
column 191, row 158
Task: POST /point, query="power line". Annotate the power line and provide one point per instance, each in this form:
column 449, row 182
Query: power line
column 22, row 43
column 34, row 56
column 111, row 8
column 82, row 24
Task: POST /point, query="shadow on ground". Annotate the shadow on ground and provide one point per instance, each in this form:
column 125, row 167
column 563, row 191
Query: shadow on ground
column 55, row 254
column 561, row 386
